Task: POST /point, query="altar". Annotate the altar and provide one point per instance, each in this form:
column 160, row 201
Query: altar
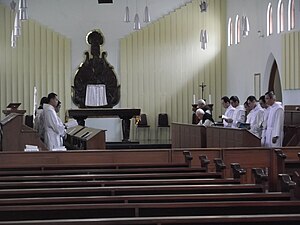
column 123, row 113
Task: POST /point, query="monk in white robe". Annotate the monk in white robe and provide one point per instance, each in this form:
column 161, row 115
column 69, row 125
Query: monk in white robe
column 239, row 114
column 255, row 117
column 274, row 131
column 264, row 126
column 54, row 128
column 228, row 115
column 39, row 118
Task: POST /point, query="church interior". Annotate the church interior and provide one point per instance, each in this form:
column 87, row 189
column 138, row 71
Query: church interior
column 129, row 77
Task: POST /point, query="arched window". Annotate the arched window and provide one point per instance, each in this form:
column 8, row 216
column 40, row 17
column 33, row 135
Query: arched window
column 280, row 17
column 237, row 30
column 291, row 15
column 269, row 20
column 229, row 32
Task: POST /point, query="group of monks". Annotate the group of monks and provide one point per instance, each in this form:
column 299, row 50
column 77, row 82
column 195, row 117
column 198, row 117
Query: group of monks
column 264, row 117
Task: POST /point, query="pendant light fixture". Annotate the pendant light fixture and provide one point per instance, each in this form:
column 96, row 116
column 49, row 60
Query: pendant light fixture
column 13, row 40
column 203, row 6
column 137, row 24
column 17, row 25
column 147, row 18
column 13, row 5
column 126, row 16
column 23, row 5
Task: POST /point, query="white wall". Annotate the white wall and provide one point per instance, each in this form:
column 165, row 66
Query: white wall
column 75, row 18
column 251, row 55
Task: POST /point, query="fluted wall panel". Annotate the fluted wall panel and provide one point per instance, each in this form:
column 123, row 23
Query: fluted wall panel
column 162, row 65
column 42, row 59
column 290, row 64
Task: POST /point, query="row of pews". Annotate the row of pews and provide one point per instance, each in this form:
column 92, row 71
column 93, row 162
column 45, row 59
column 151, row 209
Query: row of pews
column 194, row 190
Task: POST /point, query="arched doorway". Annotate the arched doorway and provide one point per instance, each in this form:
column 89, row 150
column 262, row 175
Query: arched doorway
column 271, row 80
column 274, row 81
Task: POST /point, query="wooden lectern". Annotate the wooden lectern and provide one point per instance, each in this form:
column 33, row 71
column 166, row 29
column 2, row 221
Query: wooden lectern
column 15, row 135
column 80, row 138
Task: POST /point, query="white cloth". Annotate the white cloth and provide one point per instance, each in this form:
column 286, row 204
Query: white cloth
column 264, row 127
column 255, row 118
column 39, row 123
column 207, row 123
column 54, row 128
column 239, row 116
column 95, row 95
column 275, row 125
column 228, row 114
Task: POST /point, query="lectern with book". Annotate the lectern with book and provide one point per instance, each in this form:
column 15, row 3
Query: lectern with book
column 80, row 137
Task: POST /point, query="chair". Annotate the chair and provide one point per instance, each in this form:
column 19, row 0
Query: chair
column 142, row 122
column 29, row 120
column 163, row 122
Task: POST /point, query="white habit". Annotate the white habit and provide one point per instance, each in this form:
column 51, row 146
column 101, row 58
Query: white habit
column 275, row 125
column 239, row 116
column 54, row 128
column 229, row 114
column 255, row 118
column 264, row 127
column 39, row 123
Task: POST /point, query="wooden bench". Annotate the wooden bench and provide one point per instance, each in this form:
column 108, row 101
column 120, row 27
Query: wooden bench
column 115, row 210
column 271, row 196
column 93, row 177
column 130, row 190
column 262, row 219
column 108, row 183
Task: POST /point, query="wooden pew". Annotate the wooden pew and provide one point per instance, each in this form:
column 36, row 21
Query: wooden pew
column 99, row 171
column 93, row 177
column 262, row 219
column 108, row 183
column 130, row 190
column 115, row 210
column 271, row 196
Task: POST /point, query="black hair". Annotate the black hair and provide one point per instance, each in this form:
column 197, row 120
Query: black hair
column 262, row 98
column 225, row 99
column 234, row 99
column 44, row 100
column 271, row 94
column 251, row 98
column 51, row 96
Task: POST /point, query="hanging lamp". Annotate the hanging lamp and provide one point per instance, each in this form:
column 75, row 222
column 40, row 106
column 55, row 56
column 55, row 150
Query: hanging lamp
column 126, row 16
column 136, row 24
column 147, row 18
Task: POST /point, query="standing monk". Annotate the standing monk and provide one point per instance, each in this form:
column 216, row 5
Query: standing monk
column 54, row 128
column 274, row 131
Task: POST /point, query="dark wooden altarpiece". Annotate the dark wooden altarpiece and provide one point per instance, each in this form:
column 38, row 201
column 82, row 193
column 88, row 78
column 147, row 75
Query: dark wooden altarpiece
column 97, row 70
